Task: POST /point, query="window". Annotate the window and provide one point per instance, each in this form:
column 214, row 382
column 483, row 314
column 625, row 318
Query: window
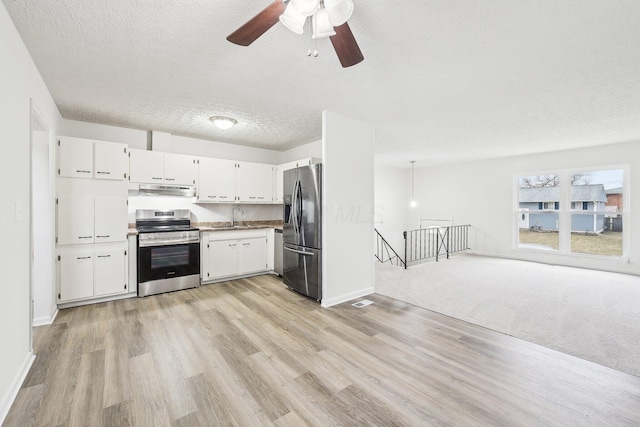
column 597, row 228
column 593, row 223
column 538, row 205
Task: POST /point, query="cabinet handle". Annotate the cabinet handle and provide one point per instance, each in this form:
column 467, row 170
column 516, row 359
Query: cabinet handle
column 252, row 197
column 260, row 198
column 83, row 257
column 223, row 197
column 246, row 244
column 212, row 197
column 232, row 245
column 104, row 256
column 81, row 171
column 103, row 173
column 103, row 236
column 169, row 179
column 85, row 237
column 153, row 177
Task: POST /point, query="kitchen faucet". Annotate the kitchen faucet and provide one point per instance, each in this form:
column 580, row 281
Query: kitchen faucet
column 233, row 214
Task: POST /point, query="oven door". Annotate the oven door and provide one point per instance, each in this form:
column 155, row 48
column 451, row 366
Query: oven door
column 168, row 261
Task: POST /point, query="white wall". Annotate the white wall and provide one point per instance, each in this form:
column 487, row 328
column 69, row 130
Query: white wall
column 312, row 149
column 19, row 81
column 221, row 150
column 392, row 210
column 347, row 213
column 204, row 212
column 135, row 138
column 482, row 194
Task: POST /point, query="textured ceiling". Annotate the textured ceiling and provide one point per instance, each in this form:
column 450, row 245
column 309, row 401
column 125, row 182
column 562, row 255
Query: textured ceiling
column 442, row 80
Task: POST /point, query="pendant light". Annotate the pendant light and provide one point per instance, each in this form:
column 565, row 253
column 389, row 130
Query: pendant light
column 413, row 196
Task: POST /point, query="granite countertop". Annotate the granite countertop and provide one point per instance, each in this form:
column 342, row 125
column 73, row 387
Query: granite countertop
column 240, row 225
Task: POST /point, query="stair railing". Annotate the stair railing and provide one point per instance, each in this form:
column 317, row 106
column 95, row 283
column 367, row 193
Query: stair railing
column 425, row 243
column 385, row 253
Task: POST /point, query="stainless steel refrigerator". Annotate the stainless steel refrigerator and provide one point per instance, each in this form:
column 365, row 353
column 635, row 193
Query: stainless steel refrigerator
column 302, row 230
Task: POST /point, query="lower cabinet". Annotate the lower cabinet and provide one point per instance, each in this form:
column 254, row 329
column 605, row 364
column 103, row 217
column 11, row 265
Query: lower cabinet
column 90, row 272
column 227, row 254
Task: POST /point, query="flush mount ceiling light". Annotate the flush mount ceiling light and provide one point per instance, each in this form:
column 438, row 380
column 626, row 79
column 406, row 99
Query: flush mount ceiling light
column 328, row 19
column 222, row 122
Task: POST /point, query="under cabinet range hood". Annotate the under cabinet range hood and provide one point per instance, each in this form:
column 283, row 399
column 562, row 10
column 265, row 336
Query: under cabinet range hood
column 167, row 190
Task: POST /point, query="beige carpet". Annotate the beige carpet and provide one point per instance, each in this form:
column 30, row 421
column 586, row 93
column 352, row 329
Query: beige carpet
column 590, row 314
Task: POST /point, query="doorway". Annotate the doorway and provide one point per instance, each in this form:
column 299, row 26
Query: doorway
column 42, row 222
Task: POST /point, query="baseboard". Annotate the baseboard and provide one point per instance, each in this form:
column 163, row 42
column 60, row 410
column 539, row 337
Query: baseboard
column 14, row 388
column 347, row 297
column 46, row 320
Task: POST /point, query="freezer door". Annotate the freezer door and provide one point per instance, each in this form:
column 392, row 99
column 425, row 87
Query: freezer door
column 302, row 270
column 303, row 206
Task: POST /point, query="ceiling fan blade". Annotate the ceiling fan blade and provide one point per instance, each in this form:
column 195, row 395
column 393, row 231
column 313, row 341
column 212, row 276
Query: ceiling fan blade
column 346, row 46
column 258, row 25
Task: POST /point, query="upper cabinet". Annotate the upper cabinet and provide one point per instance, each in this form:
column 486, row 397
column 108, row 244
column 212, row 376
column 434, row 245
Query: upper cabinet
column 216, row 180
column 91, row 219
column 155, row 167
column 85, row 158
column 279, row 181
column 254, row 182
column 227, row 181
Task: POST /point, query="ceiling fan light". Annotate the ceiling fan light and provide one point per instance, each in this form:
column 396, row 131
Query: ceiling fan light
column 305, row 7
column 293, row 19
column 321, row 25
column 339, row 11
column 222, row 122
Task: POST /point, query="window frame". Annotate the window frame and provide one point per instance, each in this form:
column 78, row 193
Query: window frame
column 564, row 214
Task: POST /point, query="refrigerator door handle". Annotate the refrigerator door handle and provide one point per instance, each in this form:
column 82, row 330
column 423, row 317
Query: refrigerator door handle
column 298, row 252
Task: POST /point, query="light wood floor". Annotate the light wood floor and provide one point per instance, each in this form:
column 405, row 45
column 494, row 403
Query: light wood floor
column 251, row 353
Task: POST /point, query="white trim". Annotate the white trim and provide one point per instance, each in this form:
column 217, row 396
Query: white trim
column 326, row 303
column 46, row 320
column 14, row 387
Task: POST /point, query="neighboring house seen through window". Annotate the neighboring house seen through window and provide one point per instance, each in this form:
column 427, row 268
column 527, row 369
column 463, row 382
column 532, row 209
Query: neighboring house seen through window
column 592, row 225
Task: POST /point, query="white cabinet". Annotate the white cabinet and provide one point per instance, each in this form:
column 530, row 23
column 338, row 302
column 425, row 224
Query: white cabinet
column 110, row 160
column 180, row 169
column 85, row 158
column 216, row 180
column 253, row 256
column 84, row 220
column 76, row 275
column 75, row 220
column 75, row 158
column 279, row 181
column 254, row 182
column 146, row 166
column 109, row 266
column 155, row 167
column 92, row 272
column 227, row 254
column 223, row 259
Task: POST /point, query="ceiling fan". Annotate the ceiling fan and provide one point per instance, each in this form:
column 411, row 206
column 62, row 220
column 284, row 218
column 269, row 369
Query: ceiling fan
column 329, row 19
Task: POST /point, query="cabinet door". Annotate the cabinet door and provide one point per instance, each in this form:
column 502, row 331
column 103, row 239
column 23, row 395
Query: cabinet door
column 146, row 167
column 280, row 179
column 76, row 275
column 75, row 157
column 75, row 220
column 254, row 182
column 180, row 169
column 110, row 161
column 109, row 272
column 253, row 255
column 111, row 219
column 216, row 180
column 223, row 258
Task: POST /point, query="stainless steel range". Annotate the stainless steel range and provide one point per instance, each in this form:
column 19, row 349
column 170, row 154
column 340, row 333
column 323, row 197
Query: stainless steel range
column 168, row 251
